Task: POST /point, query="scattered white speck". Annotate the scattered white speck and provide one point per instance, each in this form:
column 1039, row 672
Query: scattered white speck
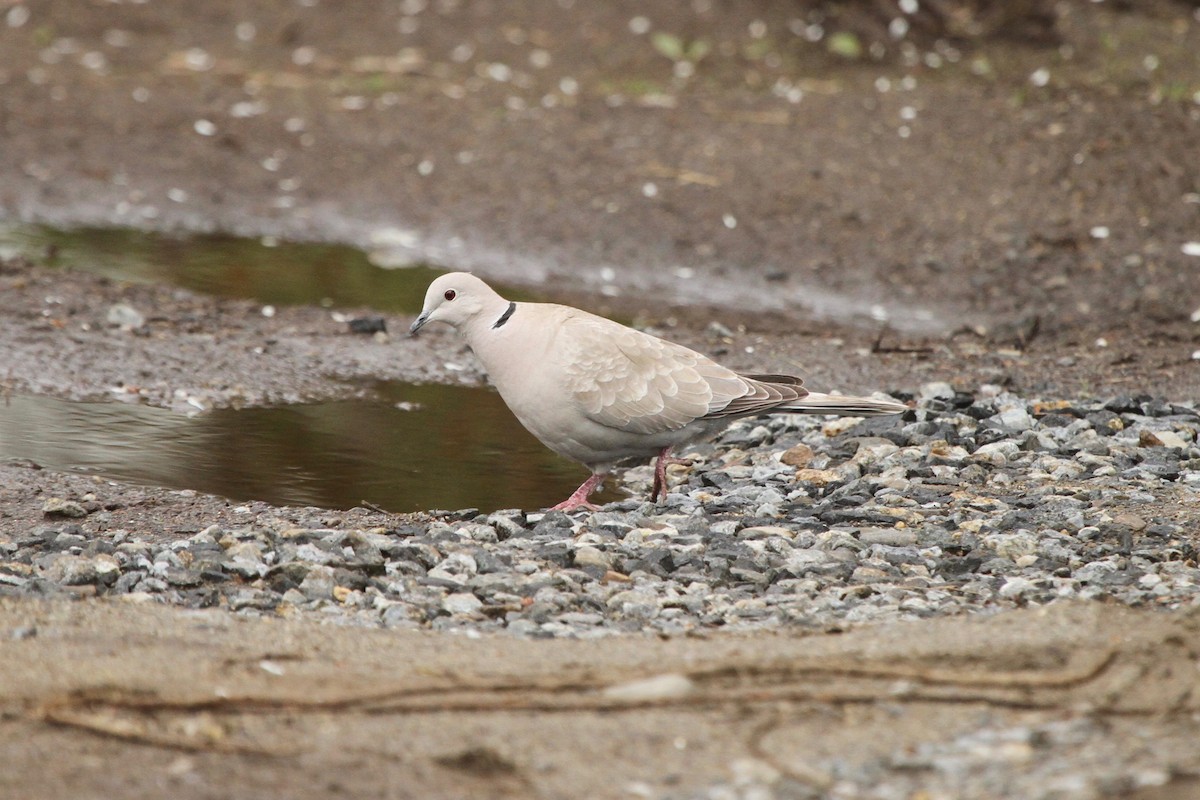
column 425, row 168
column 879, row 313
column 140, row 95
column 1191, row 248
column 1100, row 232
column 730, row 221
column 898, row 28
column 177, row 195
column 204, row 127
column 904, row 131
column 1150, row 62
column 1040, row 77
column 749, row 348
column 639, row 25
column 1102, row 342
column 289, row 184
column 514, row 103
column 272, row 163
column 293, row 125
column 539, row 59
column 17, row 16
column 198, row 60
column 650, row 189
column 608, row 274
column 355, row 102
column 686, row 273
column 684, row 69
column 883, row 85
column 568, row 86
column 93, row 60
column 814, row 33
column 908, row 83
column 269, row 241
column 909, row 6
column 757, row 28
column 1195, row 315
column 462, row 53
column 270, row 667
column 268, row 311
column 303, row 56
column 498, row 72
column 610, row 290
column 1196, row 355
column 908, row 112
column 245, row 31
column 464, row 157
column 247, row 108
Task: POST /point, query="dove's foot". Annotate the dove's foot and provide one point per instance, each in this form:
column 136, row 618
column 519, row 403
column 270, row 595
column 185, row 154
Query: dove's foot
column 579, row 498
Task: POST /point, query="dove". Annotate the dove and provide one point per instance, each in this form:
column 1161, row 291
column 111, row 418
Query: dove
column 604, row 394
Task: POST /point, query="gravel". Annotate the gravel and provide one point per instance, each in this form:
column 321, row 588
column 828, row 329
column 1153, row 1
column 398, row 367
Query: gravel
column 970, row 502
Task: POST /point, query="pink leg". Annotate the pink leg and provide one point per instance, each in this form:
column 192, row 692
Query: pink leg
column 579, row 498
column 659, row 491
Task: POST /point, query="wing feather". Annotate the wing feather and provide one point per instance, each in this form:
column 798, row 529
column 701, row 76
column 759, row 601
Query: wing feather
column 631, row 381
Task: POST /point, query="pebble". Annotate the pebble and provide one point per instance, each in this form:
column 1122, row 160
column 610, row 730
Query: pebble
column 58, row 507
column 969, row 503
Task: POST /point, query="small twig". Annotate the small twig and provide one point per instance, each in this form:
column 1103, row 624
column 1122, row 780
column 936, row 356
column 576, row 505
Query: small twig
column 878, row 347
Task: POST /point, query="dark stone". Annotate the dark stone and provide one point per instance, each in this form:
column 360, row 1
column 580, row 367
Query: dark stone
column 351, row 579
column 368, row 325
column 127, row 581
column 1102, row 421
column 183, row 577
column 561, row 553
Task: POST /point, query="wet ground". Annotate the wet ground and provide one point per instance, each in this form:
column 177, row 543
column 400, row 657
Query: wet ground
column 982, row 213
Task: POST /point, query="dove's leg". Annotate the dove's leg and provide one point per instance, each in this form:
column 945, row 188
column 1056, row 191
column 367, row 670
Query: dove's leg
column 579, row 498
column 660, row 475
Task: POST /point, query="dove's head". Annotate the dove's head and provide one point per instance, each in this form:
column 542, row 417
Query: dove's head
column 455, row 299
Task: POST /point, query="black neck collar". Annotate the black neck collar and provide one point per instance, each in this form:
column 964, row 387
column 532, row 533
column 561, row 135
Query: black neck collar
column 504, row 317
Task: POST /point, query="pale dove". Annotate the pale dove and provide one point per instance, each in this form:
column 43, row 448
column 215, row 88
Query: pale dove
column 601, row 393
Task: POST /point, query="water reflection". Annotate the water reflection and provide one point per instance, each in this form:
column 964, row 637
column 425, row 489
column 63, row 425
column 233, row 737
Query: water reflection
column 284, row 273
column 458, row 448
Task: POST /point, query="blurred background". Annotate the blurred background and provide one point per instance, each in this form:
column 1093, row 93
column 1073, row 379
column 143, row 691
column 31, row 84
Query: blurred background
column 920, row 162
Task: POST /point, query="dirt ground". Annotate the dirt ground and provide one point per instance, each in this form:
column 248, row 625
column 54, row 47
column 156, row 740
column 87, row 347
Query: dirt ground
column 982, row 212
column 137, row 701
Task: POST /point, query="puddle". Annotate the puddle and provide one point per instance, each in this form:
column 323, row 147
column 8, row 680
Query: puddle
column 279, row 273
column 459, row 448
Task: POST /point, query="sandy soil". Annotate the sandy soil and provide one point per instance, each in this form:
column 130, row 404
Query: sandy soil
column 136, row 700
column 967, row 225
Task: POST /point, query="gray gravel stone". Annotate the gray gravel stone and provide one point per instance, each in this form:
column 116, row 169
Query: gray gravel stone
column 968, row 503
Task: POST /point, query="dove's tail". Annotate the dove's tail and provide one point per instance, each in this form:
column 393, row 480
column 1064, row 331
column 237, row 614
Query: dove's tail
column 841, row 405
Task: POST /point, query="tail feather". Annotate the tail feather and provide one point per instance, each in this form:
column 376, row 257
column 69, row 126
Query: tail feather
column 841, row 405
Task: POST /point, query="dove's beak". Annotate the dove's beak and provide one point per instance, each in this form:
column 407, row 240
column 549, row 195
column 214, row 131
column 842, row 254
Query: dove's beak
column 418, row 324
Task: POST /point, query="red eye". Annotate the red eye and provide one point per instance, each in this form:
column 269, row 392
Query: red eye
column 449, row 295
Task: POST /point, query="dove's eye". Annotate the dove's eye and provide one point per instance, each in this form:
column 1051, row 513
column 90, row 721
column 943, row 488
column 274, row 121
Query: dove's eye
column 449, row 295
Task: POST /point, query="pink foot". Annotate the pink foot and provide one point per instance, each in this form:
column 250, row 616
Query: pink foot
column 579, row 498
column 659, row 491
